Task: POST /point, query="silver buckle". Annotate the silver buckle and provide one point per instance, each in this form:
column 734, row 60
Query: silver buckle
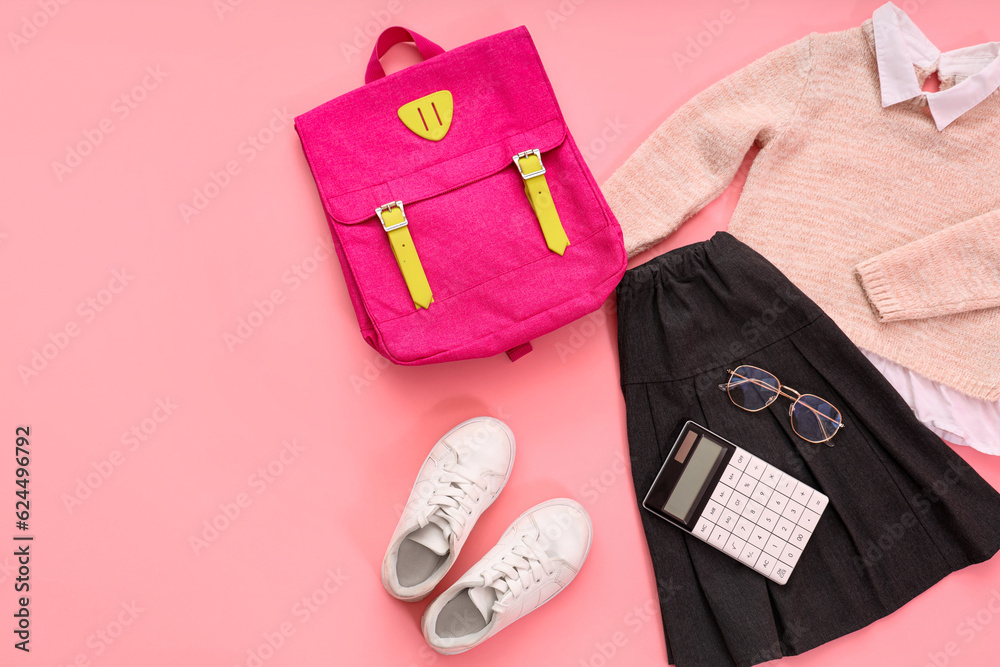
column 517, row 163
column 388, row 207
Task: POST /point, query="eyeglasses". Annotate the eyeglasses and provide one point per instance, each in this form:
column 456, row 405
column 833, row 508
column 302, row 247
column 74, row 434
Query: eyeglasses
column 813, row 419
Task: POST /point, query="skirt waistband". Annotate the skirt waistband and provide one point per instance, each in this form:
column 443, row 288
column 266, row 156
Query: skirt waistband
column 703, row 306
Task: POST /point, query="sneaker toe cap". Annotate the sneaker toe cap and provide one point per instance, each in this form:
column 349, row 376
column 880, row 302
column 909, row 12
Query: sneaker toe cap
column 483, row 444
column 565, row 531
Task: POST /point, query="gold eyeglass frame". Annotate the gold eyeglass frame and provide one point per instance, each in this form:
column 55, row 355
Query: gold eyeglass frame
column 780, row 390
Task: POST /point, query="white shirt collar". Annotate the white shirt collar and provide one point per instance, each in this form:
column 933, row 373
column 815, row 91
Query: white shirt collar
column 899, row 45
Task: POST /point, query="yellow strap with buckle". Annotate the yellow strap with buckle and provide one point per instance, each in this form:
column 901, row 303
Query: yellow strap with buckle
column 529, row 165
column 394, row 223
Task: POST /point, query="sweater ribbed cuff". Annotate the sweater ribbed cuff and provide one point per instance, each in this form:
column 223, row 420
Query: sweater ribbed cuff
column 879, row 290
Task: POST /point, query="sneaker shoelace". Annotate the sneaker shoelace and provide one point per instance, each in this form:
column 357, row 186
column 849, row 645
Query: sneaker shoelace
column 456, row 490
column 526, row 563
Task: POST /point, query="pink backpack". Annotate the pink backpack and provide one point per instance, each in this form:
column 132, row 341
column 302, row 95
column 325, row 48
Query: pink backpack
column 450, row 188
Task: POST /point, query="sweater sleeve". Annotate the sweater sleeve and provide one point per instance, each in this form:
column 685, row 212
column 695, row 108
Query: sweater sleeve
column 691, row 158
column 951, row 271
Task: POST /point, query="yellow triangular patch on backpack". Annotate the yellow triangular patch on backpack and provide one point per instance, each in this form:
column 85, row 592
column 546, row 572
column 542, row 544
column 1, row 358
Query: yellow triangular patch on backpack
column 430, row 116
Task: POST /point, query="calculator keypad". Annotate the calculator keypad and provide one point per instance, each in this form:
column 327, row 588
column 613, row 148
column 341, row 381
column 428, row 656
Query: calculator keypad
column 760, row 516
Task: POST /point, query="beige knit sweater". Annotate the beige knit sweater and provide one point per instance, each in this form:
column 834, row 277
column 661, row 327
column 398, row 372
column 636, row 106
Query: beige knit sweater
column 891, row 226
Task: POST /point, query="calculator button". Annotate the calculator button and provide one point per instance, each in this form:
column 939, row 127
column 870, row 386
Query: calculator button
column 744, row 528
column 759, row 537
column 721, row 494
column 762, row 493
column 740, row 459
column 746, row 485
column 818, row 502
column 765, row 564
column 728, row 520
column 750, row 555
column 777, row 502
column 787, row 484
column 771, row 476
column 719, row 537
column 775, row 546
column 802, row 494
column 737, row 502
column 791, row 555
column 756, row 467
column 808, row 519
column 768, row 519
column 799, row 537
column 784, row 529
column 703, row 530
column 713, row 511
column 781, row 572
column 753, row 511
column 792, row 511
column 731, row 476
column 734, row 547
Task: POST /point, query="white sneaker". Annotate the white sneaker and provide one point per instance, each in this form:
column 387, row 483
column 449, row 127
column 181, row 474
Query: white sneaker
column 462, row 476
column 538, row 555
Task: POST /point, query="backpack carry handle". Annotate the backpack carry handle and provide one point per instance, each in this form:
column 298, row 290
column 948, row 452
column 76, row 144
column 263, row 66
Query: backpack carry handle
column 389, row 38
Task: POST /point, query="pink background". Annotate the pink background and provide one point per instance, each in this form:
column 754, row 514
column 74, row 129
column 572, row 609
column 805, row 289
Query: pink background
column 101, row 249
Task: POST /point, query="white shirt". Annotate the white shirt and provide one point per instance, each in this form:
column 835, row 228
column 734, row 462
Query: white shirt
column 900, row 45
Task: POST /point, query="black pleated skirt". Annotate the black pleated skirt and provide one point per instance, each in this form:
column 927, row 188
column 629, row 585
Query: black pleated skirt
column 905, row 510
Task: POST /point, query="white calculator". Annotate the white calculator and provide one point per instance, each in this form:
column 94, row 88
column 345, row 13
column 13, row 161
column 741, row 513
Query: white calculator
column 737, row 502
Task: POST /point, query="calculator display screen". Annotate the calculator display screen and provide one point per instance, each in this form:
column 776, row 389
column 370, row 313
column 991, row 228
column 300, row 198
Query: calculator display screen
column 701, row 462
